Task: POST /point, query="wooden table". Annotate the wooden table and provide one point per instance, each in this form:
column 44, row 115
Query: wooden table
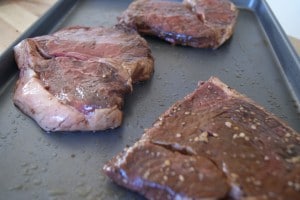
column 17, row 15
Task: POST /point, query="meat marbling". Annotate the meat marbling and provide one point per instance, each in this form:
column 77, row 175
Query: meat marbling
column 213, row 144
column 196, row 23
column 76, row 78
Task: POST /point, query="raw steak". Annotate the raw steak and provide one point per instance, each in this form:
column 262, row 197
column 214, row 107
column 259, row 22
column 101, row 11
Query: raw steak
column 196, row 23
column 214, row 144
column 76, row 78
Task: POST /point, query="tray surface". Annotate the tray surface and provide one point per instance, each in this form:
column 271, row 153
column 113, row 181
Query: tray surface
column 39, row 165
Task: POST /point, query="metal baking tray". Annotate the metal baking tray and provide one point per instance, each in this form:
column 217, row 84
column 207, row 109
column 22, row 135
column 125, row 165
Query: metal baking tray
column 257, row 61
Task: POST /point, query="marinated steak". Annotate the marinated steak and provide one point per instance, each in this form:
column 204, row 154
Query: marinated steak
column 76, row 78
column 213, row 144
column 196, row 23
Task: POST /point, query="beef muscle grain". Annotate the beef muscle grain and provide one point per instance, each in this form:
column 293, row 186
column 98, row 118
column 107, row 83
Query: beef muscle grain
column 213, row 144
column 196, row 23
column 76, row 78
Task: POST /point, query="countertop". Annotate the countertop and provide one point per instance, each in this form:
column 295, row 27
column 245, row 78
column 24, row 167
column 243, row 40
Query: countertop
column 16, row 16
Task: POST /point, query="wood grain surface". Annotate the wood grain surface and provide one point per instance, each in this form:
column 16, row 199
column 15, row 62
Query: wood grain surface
column 16, row 16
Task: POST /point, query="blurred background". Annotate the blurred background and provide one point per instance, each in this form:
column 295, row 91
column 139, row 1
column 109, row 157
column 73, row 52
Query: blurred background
column 288, row 15
column 17, row 15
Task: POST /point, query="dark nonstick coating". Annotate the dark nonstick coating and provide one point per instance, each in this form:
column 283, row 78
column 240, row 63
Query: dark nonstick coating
column 39, row 165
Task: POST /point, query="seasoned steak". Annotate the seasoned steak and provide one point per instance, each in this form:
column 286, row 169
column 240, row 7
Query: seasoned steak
column 196, row 23
column 76, row 78
column 213, row 144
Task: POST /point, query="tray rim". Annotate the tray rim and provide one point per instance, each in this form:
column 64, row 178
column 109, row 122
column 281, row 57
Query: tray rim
column 9, row 79
column 43, row 25
column 284, row 52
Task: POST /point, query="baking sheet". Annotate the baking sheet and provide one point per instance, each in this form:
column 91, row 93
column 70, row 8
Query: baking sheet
column 257, row 61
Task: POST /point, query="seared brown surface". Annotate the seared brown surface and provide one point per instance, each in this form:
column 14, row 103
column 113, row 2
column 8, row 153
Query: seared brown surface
column 76, row 78
column 196, row 23
column 214, row 144
column 160, row 173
